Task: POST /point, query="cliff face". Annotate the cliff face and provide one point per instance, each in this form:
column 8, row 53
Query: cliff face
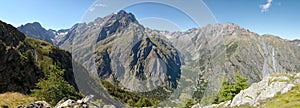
column 23, row 61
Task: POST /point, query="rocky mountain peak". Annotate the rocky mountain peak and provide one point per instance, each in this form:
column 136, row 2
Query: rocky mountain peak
column 124, row 16
column 233, row 25
column 34, row 25
column 36, row 30
column 116, row 23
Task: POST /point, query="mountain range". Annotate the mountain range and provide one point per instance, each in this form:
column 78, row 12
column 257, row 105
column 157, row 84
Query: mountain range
column 118, row 49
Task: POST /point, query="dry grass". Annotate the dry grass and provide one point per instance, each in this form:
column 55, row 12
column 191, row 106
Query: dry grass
column 13, row 100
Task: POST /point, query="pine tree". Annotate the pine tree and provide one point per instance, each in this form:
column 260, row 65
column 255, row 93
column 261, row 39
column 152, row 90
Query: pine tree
column 230, row 89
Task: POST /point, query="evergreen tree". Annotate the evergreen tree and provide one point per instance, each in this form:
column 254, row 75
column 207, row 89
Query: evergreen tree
column 230, row 89
column 53, row 88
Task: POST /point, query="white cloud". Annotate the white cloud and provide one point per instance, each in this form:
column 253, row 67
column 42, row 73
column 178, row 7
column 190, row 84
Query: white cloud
column 265, row 7
column 97, row 5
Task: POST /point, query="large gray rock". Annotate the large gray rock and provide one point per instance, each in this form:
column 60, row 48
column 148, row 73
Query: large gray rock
column 267, row 88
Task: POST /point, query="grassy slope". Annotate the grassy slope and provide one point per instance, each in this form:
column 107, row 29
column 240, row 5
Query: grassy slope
column 14, row 100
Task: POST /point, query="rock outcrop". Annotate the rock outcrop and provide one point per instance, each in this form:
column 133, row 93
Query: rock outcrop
column 268, row 88
column 37, row 104
column 64, row 103
column 265, row 89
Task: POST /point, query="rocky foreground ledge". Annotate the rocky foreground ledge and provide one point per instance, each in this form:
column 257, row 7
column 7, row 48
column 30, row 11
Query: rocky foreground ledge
column 64, row 103
column 259, row 94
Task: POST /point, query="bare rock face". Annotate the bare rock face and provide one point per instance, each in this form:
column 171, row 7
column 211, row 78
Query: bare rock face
column 137, row 59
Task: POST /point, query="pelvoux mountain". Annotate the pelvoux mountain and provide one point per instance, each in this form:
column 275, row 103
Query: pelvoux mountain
column 118, row 48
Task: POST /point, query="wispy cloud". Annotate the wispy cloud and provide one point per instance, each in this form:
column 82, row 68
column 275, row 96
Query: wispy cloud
column 97, row 5
column 265, row 7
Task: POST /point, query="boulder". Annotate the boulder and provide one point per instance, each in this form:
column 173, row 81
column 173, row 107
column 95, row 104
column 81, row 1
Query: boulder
column 37, row 104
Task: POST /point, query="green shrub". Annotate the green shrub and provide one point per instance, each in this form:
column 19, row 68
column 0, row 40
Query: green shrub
column 53, row 88
column 230, row 89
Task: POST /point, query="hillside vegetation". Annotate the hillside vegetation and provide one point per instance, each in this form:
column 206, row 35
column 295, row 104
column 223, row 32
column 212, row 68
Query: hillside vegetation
column 27, row 64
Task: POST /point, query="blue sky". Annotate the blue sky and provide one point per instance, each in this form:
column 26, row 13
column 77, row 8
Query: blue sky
column 56, row 14
column 280, row 17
